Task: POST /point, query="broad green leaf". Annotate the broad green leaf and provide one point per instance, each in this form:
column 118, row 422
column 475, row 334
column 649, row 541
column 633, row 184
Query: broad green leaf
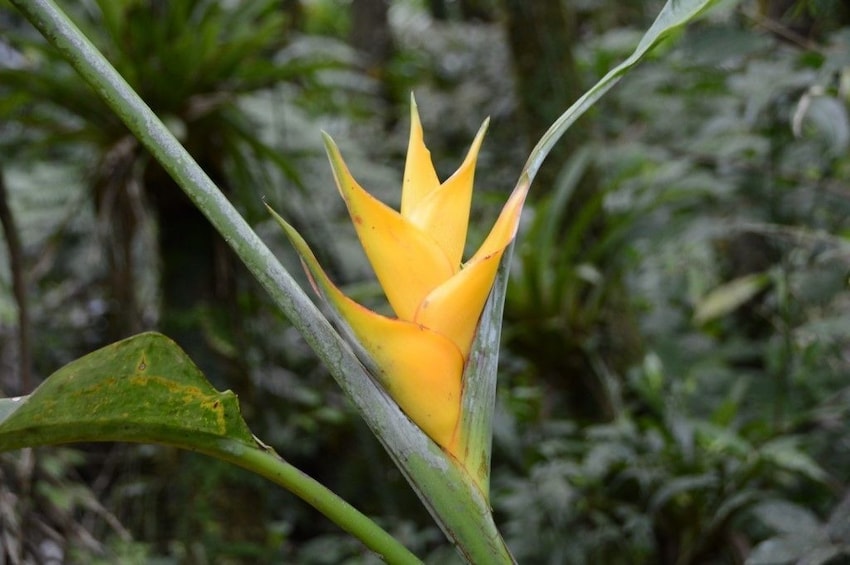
column 789, row 550
column 801, row 538
column 785, row 453
column 145, row 389
column 787, row 518
column 826, row 117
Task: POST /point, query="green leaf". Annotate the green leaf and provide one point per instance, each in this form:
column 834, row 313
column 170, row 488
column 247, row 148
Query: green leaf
column 782, row 551
column 788, row 518
column 729, row 296
column 679, row 486
column 145, row 389
column 802, row 537
column 785, row 453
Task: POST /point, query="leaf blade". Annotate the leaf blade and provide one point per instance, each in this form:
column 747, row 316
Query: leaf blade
column 142, row 389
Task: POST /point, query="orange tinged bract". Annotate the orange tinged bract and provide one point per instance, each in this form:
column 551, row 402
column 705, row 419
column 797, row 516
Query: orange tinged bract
column 419, row 356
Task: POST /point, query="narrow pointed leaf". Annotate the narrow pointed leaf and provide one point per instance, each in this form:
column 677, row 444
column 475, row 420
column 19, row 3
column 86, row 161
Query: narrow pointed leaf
column 479, row 391
column 729, row 296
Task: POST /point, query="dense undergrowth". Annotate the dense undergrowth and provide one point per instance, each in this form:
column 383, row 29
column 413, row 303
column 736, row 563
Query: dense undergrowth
column 674, row 379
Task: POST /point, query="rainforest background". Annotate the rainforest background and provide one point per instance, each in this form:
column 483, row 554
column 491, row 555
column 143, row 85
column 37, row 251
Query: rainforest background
column 675, row 371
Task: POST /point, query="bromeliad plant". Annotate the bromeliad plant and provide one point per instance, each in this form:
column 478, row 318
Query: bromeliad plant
column 433, row 364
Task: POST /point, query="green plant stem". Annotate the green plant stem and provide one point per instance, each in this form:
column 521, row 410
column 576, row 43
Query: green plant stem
column 270, row 465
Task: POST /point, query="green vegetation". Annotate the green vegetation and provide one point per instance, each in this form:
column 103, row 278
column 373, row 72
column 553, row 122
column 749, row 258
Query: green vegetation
column 673, row 385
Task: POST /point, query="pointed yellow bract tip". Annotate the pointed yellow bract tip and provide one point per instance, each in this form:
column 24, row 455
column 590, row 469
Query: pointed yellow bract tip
column 419, row 356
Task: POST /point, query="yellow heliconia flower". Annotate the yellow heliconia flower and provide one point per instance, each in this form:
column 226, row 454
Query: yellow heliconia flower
column 416, row 254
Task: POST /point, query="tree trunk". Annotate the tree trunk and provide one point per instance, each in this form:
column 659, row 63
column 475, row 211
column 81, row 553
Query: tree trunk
column 438, row 10
column 295, row 12
column 19, row 290
column 198, row 274
column 372, row 37
column 540, row 37
column 119, row 208
column 476, row 10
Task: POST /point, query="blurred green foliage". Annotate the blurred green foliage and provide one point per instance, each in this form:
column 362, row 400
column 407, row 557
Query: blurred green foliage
column 722, row 169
